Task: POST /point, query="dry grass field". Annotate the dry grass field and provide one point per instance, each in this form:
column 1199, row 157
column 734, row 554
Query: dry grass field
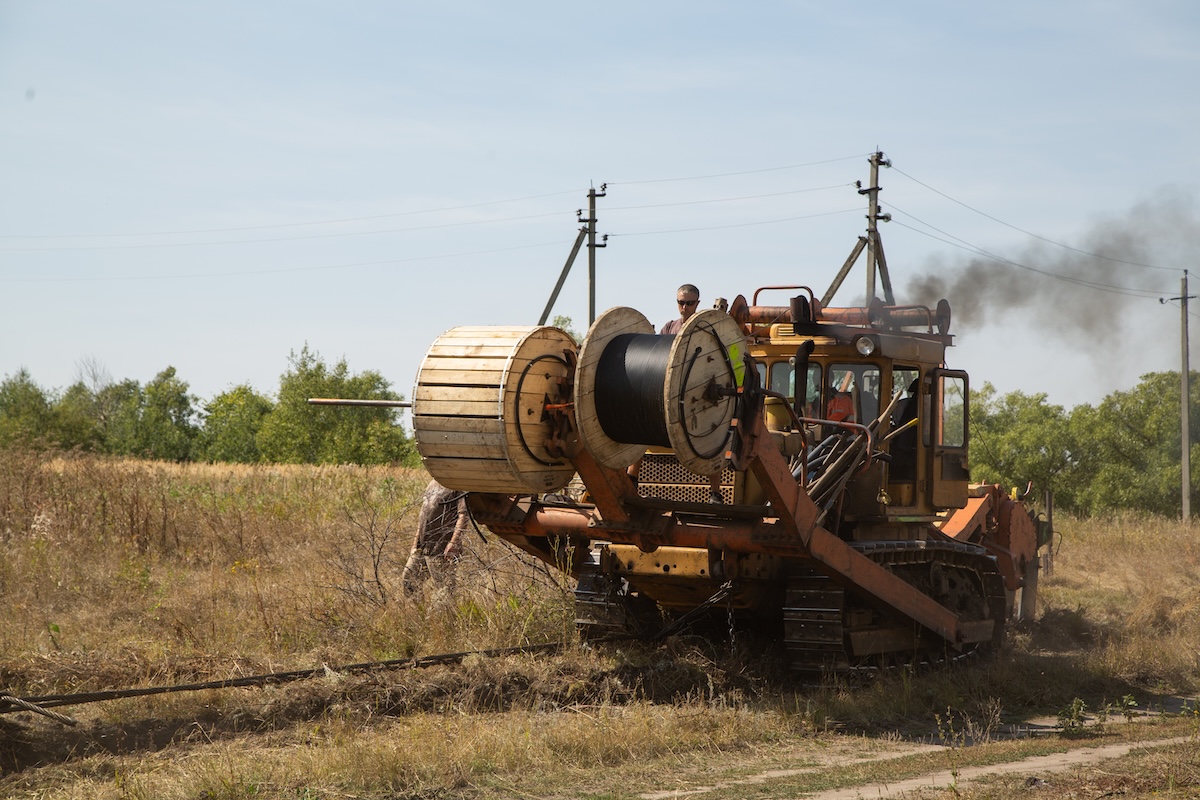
column 134, row 574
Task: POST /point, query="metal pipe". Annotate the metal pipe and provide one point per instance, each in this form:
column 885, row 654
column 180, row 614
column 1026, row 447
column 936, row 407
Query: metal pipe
column 339, row 401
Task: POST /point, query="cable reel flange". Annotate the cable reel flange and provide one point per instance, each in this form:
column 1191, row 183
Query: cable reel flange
column 704, row 371
column 614, row 322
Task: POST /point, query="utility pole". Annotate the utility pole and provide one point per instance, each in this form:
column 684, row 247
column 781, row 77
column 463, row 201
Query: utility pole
column 1185, row 409
column 876, row 262
column 588, row 231
column 874, row 245
column 591, row 236
column 1185, row 434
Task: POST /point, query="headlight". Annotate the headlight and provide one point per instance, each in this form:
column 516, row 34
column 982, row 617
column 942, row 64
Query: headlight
column 865, row 345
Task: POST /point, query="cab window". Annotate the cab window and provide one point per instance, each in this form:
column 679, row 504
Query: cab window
column 953, row 430
column 812, row 392
column 783, row 379
column 852, row 393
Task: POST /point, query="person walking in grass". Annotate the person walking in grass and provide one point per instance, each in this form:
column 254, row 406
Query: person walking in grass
column 440, row 527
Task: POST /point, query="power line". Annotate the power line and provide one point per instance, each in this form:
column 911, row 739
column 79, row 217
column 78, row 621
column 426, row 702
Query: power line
column 154, row 245
column 1030, row 233
column 239, row 273
column 609, row 209
column 289, row 224
column 397, row 230
column 368, row 218
column 743, row 172
column 739, row 224
column 348, row 234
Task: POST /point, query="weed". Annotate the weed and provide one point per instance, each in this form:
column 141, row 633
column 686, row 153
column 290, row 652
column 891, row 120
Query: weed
column 953, row 740
column 1192, row 713
column 1127, row 706
column 981, row 730
column 1073, row 719
column 1100, row 722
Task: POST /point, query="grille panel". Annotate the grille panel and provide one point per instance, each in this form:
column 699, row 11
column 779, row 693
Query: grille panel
column 661, row 475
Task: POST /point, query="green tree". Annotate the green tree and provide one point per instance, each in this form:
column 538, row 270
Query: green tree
column 83, row 411
column 155, row 421
column 1130, row 447
column 119, row 411
column 232, row 421
column 168, row 418
column 296, row 432
column 1018, row 438
column 25, row 410
column 77, row 418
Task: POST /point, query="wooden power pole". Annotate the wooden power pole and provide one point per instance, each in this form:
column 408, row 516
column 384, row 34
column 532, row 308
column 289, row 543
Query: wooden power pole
column 592, row 245
column 1185, row 413
column 876, row 261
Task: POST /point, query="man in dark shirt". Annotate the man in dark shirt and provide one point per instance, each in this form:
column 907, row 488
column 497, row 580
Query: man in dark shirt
column 688, row 297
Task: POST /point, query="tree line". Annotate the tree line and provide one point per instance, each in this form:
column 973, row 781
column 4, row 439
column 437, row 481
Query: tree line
column 1123, row 453
column 163, row 420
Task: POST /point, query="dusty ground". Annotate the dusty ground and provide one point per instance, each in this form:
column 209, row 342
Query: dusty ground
column 920, row 763
column 1034, row 771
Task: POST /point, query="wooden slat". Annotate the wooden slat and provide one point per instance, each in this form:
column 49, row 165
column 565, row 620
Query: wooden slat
column 460, row 377
column 478, row 467
column 476, row 394
column 435, row 425
column 457, row 408
column 481, row 349
column 463, row 437
column 462, row 449
column 482, row 476
column 489, row 363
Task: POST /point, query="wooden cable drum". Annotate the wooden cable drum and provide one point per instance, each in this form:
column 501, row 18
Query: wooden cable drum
column 634, row 389
column 479, row 408
column 608, row 326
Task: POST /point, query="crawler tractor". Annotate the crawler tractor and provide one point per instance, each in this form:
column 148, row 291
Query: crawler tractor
column 856, row 532
column 847, row 522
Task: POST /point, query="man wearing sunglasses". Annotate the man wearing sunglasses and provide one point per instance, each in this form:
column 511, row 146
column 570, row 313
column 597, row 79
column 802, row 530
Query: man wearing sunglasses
column 688, row 297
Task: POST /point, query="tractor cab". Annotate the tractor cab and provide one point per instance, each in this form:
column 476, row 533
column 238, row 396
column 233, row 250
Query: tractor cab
column 831, row 374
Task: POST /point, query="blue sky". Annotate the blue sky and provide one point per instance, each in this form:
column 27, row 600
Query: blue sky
column 213, row 186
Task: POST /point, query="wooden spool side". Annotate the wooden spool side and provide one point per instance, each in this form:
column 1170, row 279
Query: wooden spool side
column 535, row 375
column 707, row 353
column 477, row 408
column 612, row 323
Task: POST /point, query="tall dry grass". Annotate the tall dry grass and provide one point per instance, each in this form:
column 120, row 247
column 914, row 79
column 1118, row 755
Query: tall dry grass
column 1125, row 592
column 124, row 573
column 166, row 571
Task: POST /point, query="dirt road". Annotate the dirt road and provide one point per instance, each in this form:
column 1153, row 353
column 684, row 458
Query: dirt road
column 1037, row 770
